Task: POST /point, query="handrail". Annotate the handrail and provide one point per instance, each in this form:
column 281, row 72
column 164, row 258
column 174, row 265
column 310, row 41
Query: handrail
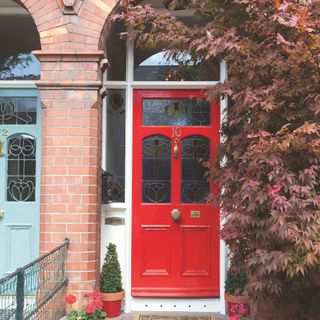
column 36, row 289
column 65, row 243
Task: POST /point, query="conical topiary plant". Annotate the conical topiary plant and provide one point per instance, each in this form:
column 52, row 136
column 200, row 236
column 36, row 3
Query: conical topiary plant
column 110, row 277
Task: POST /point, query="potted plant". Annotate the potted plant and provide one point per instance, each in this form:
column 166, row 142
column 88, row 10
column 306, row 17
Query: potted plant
column 235, row 292
column 111, row 283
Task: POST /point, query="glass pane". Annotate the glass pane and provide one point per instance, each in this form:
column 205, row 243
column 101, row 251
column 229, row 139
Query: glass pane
column 21, row 110
column 156, row 169
column 116, row 116
column 21, row 172
column 16, row 60
column 176, row 112
column 116, row 54
column 152, row 65
column 194, row 185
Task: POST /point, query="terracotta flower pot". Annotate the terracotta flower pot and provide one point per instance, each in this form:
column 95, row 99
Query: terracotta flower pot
column 234, row 300
column 112, row 303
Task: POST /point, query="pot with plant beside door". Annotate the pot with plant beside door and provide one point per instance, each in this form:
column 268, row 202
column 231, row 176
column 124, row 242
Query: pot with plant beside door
column 111, row 283
column 235, row 292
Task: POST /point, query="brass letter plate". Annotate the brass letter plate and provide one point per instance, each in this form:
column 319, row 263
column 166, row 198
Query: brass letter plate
column 195, row 214
column 114, row 221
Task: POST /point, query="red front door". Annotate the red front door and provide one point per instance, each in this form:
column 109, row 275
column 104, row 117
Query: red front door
column 175, row 235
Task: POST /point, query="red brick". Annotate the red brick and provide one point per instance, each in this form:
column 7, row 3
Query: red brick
column 71, row 141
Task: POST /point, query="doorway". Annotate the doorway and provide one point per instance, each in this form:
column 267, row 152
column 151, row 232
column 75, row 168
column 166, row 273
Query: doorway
column 20, row 132
column 175, row 232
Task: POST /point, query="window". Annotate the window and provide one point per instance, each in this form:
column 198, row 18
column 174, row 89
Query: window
column 115, row 160
column 160, row 66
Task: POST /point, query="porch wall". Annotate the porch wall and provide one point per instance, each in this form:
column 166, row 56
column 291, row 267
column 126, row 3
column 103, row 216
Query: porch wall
column 71, row 161
column 71, row 133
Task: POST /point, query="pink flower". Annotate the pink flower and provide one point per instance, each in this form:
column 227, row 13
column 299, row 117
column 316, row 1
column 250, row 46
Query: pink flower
column 96, row 295
column 242, row 309
column 70, row 299
column 238, row 312
column 90, row 308
column 93, row 295
column 234, row 308
column 272, row 191
column 97, row 303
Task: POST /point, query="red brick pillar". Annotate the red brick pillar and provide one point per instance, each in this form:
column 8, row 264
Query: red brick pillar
column 71, row 161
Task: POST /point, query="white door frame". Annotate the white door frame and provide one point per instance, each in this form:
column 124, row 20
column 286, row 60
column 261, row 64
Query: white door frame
column 124, row 210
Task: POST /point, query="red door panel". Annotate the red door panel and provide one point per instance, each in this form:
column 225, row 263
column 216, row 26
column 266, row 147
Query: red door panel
column 174, row 258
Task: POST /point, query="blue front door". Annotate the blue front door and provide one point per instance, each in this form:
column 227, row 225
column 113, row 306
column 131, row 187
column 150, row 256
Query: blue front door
column 20, row 135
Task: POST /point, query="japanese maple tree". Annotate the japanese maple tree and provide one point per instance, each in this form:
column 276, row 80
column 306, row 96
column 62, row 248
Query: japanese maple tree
column 268, row 164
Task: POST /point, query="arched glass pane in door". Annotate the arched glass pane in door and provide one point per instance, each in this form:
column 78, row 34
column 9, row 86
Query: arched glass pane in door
column 194, row 185
column 156, row 169
column 21, row 172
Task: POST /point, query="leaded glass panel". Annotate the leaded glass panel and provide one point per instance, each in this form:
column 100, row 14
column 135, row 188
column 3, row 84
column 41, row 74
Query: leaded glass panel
column 176, row 112
column 156, row 169
column 116, row 115
column 21, row 169
column 18, row 110
column 194, row 185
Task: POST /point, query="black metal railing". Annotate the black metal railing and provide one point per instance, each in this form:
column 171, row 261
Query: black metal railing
column 38, row 290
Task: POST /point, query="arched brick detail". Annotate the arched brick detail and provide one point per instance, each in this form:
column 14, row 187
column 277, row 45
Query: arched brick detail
column 69, row 32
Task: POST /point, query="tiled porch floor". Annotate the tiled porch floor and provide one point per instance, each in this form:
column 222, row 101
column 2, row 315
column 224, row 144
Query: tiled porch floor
column 186, row 316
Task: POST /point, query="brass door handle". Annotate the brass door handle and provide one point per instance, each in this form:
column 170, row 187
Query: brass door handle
column 1, row 148
column 1, row 214
column 175, row 214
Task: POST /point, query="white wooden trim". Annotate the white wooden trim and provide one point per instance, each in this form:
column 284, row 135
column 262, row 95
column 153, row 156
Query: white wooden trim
column 161, row 84
column 178, row 305
column 115, row 84
column 104, row 134
column 17, row 84
column 130, row 61
column 115, row 206
column 128, row 235
column 173, row 84
column 125, row 209
column 223, row 247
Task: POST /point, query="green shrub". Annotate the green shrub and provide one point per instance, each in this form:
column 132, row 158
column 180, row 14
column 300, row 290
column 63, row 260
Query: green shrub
column 110, row 277
column 235, row 284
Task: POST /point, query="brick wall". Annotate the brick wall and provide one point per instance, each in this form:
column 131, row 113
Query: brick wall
column 71, row 161
column 71, row 132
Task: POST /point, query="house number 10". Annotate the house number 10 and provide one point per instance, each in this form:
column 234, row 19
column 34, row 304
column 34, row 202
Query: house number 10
column 176, row 132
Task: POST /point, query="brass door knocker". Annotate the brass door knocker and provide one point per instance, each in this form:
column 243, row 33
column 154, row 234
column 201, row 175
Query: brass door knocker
column 176, row 148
